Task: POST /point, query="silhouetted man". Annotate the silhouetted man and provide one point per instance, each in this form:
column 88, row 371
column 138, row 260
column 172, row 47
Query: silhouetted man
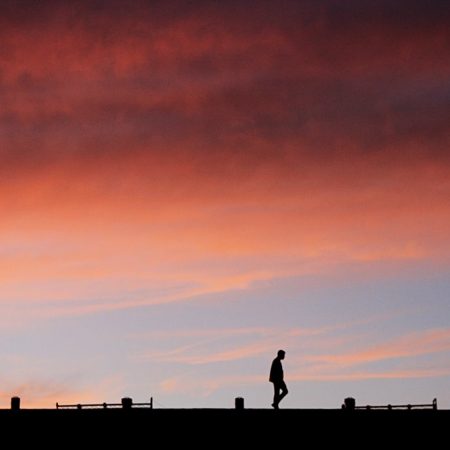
column 277, row 378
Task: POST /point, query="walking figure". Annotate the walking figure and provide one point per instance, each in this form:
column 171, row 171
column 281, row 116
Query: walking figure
column 277, row 378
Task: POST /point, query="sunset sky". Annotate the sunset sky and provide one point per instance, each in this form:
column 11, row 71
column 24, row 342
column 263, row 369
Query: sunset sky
column 188, row 186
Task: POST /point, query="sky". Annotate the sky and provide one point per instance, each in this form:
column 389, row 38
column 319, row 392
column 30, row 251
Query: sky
column 187, row 187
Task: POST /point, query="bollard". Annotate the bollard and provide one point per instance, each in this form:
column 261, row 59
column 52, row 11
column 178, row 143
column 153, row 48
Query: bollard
column 239, row 403
column 15, row 403
column 127, row 403
column 349, row 403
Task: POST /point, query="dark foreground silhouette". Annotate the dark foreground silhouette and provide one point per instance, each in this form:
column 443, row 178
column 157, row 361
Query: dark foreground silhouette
column 207, row 428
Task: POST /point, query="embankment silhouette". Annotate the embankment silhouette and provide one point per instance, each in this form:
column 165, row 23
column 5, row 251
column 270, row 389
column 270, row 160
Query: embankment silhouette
column 211, row 428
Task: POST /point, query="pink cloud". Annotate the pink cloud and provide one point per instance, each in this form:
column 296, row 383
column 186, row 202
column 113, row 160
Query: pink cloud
column 370, row 375
column 206, row 333
column 414, row 344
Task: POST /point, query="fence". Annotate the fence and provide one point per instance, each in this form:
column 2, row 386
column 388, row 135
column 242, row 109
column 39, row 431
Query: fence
column 126, row 403
column 432, row 405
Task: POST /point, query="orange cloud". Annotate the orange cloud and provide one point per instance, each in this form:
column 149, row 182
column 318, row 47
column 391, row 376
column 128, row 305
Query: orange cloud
column 38, row 395
column 210, row 240
column 415, row 344
column 46, row 393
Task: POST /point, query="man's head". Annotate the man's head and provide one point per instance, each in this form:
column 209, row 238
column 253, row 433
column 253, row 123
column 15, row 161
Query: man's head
column 281, row 354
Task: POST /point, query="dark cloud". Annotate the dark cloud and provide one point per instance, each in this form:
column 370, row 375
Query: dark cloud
column 219, row 78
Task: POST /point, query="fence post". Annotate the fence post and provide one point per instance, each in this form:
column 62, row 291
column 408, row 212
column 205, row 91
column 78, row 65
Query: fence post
column 349, row 403
column 239, row 403
column 127, row 403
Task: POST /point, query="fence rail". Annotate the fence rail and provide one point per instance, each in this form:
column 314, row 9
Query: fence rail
column 127, row 403
column 432, row 405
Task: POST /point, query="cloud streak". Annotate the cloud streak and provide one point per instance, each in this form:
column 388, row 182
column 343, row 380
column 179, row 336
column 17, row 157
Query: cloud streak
column 305, row 366
column 409, row 346
column 37, row 394
column 207, row 387
column 198, row 353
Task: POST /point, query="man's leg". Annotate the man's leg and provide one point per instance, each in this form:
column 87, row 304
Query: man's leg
column 284, row 391
column 276, row 395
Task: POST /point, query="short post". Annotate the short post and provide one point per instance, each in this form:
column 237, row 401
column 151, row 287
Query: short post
column 127, row 403
column 15, row 403
column 349, row 403
column 239, row 403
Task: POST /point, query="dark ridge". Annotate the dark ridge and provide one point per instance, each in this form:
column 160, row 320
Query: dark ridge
column 216, row 428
